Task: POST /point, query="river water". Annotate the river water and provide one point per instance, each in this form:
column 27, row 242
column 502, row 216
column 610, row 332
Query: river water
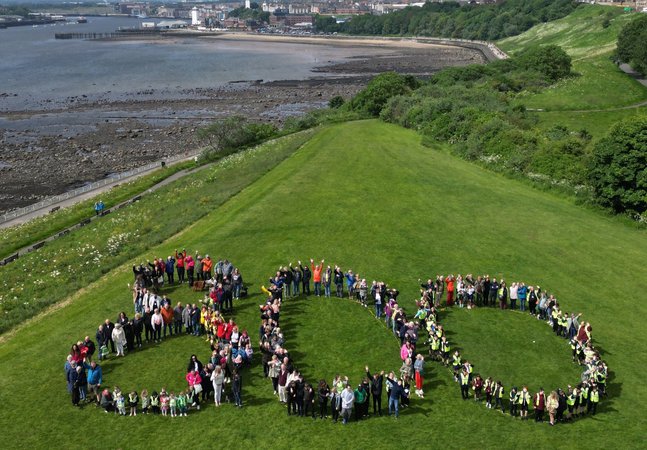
column 38, row 72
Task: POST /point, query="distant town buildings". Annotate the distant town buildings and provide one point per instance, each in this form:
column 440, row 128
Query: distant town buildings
column 282, row 14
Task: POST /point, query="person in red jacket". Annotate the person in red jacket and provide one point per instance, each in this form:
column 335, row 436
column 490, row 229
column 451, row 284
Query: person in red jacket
column 540, row 404
column 316, row 276
column 449, row 281
column 179, row 264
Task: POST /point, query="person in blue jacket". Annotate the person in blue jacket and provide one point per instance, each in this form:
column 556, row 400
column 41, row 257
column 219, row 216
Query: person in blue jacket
column 95, row 379
column 170, row 269
column 522, row 294
column 350, row 282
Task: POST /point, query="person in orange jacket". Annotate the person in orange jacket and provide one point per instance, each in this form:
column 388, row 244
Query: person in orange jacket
column 167, row 317
column 316, row 276
column 449, row 281
column 207, row 264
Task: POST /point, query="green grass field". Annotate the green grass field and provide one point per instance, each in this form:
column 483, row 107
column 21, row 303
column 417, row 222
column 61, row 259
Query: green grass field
column 368, row 196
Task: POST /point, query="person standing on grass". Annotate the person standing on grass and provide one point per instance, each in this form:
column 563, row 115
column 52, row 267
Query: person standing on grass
column 524, row 402
column 119, row 338
column 157, row 321
column 189, row 264
column 316, row 275
column 347, row 399
column 108, row 328
column 552, row 403
column 327, row 280
column 305, row 278
column 419, row 367
column 338, row 277
column 102, row 341
column 237, row 281
column 376, row 390
column 522, row 294
column 237, row 388
column 450, row 282
column 180, row 265
column 503, row 295
column 514, row 294
column 396, row 392
column 493, row 291
column 323, row 393
column 217, row 379
column 167, row 317
column 465, row 384
column 539, row 403
column 207, row 265
column 177, row 318
column 94, row 379
column 350, row 283
column 169, row 268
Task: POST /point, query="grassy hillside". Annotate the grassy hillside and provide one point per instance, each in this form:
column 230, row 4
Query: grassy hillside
column 592, row 99
column 364, row 195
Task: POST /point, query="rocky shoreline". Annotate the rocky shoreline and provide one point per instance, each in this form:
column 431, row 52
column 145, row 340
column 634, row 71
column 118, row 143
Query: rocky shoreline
column 78, row 140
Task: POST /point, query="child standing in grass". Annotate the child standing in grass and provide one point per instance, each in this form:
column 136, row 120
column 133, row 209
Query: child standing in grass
column 164, row 402
column 173, row 404
column 181, row 403
column 133, row 399
column 155, row 402
column 121, row 405
column 145, row 401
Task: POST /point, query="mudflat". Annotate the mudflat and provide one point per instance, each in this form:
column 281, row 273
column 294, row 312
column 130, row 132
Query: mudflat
column 59, row 143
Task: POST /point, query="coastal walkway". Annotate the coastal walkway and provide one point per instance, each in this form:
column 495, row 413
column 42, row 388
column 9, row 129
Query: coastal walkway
column 71, row 201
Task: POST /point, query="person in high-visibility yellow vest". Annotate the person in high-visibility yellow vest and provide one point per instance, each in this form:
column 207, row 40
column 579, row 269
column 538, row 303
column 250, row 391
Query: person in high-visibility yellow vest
column 584, row 397
column 571, row 397
column 465, row 384
column 456, row 364
column 524, row 402
column 594, row 399
column 445, row 348
column 514, row 401
column 498, row 396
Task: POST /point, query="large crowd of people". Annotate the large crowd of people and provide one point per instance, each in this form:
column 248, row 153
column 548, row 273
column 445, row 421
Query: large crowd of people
column 471, row 292
column 339, row 398
column 155, row 319
column 220, row 378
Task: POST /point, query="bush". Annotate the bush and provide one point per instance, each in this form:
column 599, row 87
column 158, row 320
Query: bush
column 618, row 167
column 550, row 60
column 378, row 91
column 233, row 133
column 336, row 102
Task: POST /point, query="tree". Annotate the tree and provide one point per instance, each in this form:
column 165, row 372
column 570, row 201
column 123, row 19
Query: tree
column 378, row 91
column 550, row 60
column 631, row 44
column 618, row 167
column 232, row 133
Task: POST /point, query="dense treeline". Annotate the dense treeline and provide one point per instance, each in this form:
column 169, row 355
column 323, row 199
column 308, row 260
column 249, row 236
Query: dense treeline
column 632, row 44
column 450, row 19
